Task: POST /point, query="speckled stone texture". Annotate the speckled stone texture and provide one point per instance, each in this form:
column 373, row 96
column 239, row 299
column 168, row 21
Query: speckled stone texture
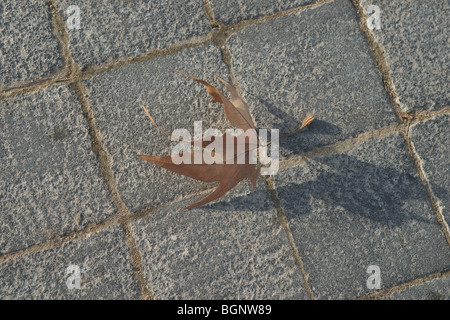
column 231, row 249
column 364, row 207
column 50, row 182
column 109, row 30
column 29, row 50
column 103, row 261
column 174, row 101
column 431, row 141
column 358, row 188
column 414, row 40
column 304, row 63
column 233, row 11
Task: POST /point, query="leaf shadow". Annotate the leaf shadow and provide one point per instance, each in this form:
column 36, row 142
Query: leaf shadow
column 380, row 194
column 318, row 134
column 254, row 201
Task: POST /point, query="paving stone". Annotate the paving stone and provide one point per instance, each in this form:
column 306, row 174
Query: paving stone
column 109, row 30
column 231, row 249
column 431, row 140
column 50, row 182
column 29, row 50
column 232, row 11
column 364, row 207
column 414, row 39
column 346, row 211
column 316, row 61
column 436, row 289
column 175, row 101
column 104, row 265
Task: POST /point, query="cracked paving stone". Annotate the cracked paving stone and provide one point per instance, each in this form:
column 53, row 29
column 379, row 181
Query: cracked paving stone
column 175, row 102
column 29, row 51
column 105, row 271
column 109, row 30
column 431, row 141
column 364, row 207
column 50, row 182
column 414, row 40
column 316, row 61
column 231, row 249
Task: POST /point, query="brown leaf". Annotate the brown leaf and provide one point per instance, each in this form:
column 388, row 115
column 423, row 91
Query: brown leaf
column 229, row 173
column 237, row 112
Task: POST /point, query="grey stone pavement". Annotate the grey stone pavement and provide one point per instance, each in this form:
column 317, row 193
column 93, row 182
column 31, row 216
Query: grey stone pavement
column 365, row 187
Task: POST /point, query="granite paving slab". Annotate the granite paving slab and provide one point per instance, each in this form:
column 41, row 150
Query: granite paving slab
column 233, row 11
column 231, row 249
column 109, row 30
column 174, row 101
column 358, row 208
column 315, row 61
column 414, row 40
column 96, row 267
column 50, row 182
column 364, row 207
column 29, row 50
column 431, row 141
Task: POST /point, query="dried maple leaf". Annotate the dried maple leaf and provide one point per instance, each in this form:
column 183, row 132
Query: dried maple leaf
column 227, row 174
